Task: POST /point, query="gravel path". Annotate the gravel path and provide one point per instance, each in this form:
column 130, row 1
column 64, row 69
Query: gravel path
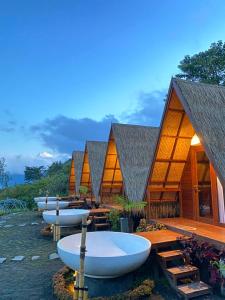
column 26, row 279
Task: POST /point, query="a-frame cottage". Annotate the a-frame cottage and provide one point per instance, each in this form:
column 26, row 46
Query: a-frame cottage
column 129, row 154
column 188, row 171
column 75, row 172
column 93, row 163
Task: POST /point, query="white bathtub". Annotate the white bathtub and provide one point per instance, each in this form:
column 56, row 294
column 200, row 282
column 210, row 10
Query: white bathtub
column 41, row 199
column 67, row 217
column 109, row 254
column 52, row 205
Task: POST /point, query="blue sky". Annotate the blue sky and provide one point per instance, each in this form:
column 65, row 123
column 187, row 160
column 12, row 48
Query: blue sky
column 70, row 68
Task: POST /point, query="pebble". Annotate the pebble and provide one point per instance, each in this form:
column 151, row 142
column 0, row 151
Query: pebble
column 2, row 259
column 18, row 258
column 34, row 223
column 35, row 257
column 8, row 226
column 53, row 256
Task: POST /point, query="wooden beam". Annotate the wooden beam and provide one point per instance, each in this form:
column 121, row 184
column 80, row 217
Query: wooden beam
column 176, row 110
column 161, row 182
column 177, row 137
column 183, row 161
column 173, row 151
column 152, row 189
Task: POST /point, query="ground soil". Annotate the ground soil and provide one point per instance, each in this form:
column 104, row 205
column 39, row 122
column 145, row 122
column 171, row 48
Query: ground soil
column 32, row 280
column 26, row 279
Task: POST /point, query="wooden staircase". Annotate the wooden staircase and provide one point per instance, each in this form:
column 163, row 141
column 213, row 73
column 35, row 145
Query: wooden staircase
column 181, row 273
column 101, row 222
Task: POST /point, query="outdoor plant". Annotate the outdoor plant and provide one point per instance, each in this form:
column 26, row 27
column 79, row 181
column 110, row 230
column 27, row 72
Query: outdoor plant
column 60, row 281
column 143, row 290
column 63, row 282
column 207, row 257
column 132, row 210
column 114, row 218
column 220, row 266
column 144, row 226
column 83, row 190
column 12, row 205
column 130, row 207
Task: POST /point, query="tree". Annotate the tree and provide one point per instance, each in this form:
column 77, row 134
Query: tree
column 55, row 168
column 4, row 175
column 34, row 173
column 207, row 66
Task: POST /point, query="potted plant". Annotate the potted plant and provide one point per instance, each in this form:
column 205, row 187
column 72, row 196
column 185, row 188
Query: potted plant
column 131, row 212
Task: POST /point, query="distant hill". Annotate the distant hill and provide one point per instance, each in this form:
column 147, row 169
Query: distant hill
column 16, row 179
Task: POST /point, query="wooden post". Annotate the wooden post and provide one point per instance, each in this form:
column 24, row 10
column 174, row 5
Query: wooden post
column 56, row 227
column 85, row 297
column 76, row 285
column 46, row 201
column 82, row 258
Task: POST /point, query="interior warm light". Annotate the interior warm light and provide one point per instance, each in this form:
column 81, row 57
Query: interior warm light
column 195, row 140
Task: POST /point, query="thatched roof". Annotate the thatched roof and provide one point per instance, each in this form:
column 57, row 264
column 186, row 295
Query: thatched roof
column 135, row 149
column 78, row 162
column 205, row 106
column 96, row 156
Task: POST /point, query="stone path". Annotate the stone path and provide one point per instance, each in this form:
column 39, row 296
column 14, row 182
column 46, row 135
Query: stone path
column 29, row 277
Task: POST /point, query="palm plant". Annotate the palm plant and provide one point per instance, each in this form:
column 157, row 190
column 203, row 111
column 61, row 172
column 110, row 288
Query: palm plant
column 132, row 210
column 83, row 190
column 130, row 207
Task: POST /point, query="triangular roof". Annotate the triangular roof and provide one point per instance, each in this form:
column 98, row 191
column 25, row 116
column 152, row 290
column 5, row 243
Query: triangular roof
column 135, row 146
column 78, row 157
column 95, row 152
column 205, row 106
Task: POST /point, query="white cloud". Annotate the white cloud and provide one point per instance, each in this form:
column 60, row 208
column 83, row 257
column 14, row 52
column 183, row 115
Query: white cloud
column 16, row 163
column 46, row 154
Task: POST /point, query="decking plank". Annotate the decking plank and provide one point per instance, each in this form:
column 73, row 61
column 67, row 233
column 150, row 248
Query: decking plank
column 160, row 238
column 207, row 232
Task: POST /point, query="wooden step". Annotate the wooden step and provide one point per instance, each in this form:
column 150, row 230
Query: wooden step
column 170, row 255
column 194, row 289
column 184, row 271
column 99, row 218
column 101, row 225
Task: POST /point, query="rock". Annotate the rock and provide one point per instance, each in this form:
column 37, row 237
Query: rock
column 18, row 258
column 35, row 257
column 53, row 256
column 2, row 259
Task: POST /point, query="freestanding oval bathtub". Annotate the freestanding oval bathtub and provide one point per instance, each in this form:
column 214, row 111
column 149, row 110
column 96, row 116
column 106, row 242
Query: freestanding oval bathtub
column 109, row 254
column 67, row 217
column 41, row 199
column 52, row 205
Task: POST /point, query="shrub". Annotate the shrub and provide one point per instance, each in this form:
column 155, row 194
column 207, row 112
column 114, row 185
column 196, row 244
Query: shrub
column 143, row 290
column 56, row 184
column 83, row 190
column 205, row 256
column 143, row 226
column 114, row 218
column 59, row 285
column 63, row 280
column 9, row 205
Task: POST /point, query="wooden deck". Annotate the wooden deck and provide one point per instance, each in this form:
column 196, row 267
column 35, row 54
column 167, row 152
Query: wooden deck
column 207, row 232
column 160, row 238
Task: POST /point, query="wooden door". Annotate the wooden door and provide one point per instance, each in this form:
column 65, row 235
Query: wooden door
column 202, row 186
